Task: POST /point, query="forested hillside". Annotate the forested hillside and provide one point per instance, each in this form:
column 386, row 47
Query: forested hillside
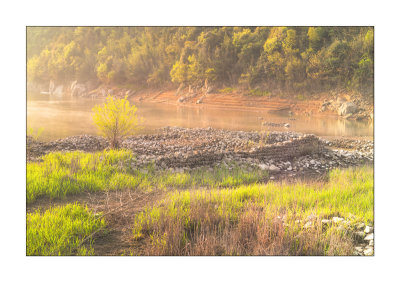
column 287, row 59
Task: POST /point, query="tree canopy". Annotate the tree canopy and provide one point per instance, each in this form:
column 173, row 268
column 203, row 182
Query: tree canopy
column 284, row 58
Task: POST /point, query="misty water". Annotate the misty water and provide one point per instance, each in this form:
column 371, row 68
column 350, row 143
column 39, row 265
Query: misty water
column 62, row 117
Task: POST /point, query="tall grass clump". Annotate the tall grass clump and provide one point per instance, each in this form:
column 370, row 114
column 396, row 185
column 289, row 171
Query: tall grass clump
column 61, row 231
column 62, row 174
column 258, row 219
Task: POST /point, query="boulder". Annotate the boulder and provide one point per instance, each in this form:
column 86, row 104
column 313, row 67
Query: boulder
column 274, row 168
column 347, row 108
column 326, row 221
column 369, row 237
column 337, row 219
column 263, row 166
column 78, row 89
column 359, row 236
column 368, row 229
column 369, row 251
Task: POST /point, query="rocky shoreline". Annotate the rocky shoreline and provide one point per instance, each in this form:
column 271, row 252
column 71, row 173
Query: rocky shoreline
column 283, row 154
column 346, row 105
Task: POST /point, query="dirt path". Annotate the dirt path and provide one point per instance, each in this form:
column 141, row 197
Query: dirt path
column 119, row 209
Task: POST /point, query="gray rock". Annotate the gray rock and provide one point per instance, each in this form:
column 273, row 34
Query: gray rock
column 263, row 166
column 359, row 249
column 274, row 168
column 326, row 221
column 347, row 108
column 368, row 229
column 359, row 236
column 337, row 219
column 369, row 251
column 369, row 236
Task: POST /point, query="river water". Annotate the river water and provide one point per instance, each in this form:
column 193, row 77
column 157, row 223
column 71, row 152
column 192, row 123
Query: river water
column 62, row 117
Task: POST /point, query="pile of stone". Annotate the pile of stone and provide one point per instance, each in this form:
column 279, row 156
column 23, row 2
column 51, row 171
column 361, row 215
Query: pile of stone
column 180, row 141
column 284, row 153
column 361, row 234
column 86, row 143
column 365, row 238
column 351, row 144
column 179, row 147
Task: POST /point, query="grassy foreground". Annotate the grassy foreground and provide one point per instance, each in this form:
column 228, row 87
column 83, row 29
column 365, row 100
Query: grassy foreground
column 272, row 219
column 62, row 174
column 61, row 231
column 235, row 215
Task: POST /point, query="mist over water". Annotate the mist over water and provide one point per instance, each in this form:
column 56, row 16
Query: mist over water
column 62, row 117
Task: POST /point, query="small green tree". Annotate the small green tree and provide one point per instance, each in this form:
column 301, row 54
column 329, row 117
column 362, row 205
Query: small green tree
column 116, row 119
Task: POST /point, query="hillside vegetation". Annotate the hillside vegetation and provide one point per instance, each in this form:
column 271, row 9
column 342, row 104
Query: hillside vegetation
column 286, row 59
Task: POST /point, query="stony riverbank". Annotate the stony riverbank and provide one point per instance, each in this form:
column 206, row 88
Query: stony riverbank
column 284, row 154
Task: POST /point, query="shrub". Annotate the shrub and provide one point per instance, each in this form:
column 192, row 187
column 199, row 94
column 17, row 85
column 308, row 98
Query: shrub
column 116, row 119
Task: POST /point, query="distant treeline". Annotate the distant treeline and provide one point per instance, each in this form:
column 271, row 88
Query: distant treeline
column 273, row 58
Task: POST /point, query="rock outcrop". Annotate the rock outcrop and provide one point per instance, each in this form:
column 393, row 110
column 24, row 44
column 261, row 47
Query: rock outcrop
column 347, row 108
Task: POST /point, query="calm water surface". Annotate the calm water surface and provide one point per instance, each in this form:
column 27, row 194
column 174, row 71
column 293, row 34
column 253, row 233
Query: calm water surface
column 61, row 117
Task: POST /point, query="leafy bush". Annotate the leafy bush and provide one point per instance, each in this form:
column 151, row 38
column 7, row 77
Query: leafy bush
column 116, row 119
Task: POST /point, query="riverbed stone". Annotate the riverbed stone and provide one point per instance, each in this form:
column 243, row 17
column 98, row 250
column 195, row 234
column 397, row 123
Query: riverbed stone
column 274, row 168
column 369, row 251
column 369, row 237
column 368, row 229
column 337, row 219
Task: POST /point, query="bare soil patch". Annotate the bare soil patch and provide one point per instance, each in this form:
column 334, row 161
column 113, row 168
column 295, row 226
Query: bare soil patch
column 118, row 208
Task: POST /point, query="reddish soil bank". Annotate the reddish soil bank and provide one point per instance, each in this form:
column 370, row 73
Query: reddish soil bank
column 239, row 101
column 236, row 101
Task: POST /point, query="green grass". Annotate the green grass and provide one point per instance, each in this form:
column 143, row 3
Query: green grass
column 61, row 231
column 222, row 219
column 62, row 174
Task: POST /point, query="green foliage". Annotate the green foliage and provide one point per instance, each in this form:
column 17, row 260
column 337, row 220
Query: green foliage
column 33, row 134
column 61, row 231
column 284, row 58
column 187, row 219
column 116, row 119
column 62, row 174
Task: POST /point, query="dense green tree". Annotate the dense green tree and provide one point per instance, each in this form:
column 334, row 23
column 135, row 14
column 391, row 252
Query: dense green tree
column 275, row 58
